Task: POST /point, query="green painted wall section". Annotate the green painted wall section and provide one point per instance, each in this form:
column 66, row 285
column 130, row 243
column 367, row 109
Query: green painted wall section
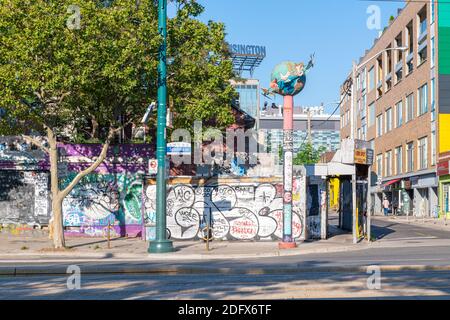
column 444, row 37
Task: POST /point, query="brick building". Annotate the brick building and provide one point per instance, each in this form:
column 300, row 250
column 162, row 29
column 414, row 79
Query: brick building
column 397, row 108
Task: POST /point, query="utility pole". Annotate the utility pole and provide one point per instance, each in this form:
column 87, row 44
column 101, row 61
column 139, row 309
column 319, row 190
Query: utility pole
column 161, row 243
column 369, row 204
column 309, row 127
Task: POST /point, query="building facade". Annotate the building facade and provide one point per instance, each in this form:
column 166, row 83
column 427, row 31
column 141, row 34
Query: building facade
column 248, row 97
column 397, row 110
column 324, row 128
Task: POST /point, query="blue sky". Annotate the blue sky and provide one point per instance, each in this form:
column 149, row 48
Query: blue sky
column 335, row 30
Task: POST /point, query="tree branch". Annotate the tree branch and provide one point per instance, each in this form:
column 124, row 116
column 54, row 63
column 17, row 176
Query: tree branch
column 37, row 143
column 92, row 167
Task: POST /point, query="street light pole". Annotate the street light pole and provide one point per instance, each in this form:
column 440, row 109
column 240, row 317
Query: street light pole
column 161, row 243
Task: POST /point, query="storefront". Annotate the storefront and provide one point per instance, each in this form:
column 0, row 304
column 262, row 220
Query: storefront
column 444, row 188
column 413, row 195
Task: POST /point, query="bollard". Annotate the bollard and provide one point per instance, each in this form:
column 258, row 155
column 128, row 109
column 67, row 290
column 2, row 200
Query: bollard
column 109, row 234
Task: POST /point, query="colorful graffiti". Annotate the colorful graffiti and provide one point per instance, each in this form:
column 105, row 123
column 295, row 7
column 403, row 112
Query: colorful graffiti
column 99, row 200
column 239, row 211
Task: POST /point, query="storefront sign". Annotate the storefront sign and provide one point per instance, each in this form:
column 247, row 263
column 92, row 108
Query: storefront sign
column 443, row 168
column 364, row 156
column 360, row 156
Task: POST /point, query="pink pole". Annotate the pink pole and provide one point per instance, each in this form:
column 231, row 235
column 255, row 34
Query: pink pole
column 288, row 149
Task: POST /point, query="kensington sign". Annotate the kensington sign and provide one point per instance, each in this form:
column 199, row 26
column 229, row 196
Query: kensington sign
column 247, row 50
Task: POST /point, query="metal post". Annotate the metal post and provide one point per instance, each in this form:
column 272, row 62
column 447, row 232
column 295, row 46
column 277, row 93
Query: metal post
column 369, row 205
column 355, row 232
column 288, row 148
column 109, row 234
column 161, row 243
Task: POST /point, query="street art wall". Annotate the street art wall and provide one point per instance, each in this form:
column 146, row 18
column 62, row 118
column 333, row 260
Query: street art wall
column 102, row 200
column 109, row 199
column 24, row 197
column 240, row 209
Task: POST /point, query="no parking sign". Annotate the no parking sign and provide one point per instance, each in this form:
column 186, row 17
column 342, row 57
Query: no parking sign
column 152, row 166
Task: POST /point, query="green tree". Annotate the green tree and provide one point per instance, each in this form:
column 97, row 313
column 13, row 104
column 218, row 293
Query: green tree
column 308, row 155
column 67, row 71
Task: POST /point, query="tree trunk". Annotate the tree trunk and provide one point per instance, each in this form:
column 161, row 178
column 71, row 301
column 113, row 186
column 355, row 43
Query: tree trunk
column 56, row 223
column 58, row 228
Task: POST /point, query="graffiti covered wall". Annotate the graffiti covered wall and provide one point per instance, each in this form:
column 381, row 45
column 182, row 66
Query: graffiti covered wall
column 24, row 197
column 110, row 196
column 102, row 199
column 244, row 209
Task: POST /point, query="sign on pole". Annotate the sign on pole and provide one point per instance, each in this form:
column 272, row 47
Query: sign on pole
column 152, row 166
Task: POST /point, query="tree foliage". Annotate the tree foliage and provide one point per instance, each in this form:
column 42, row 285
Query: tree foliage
column 308, row 155
column 69, row 80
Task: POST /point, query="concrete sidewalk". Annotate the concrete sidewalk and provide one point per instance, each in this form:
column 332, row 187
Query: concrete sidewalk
column 26, row 247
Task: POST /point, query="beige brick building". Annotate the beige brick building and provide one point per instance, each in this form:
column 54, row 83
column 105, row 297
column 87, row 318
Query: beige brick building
column 395, row 110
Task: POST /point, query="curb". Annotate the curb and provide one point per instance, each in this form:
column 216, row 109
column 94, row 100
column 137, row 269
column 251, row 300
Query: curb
column 93, row 270
column 177, row 256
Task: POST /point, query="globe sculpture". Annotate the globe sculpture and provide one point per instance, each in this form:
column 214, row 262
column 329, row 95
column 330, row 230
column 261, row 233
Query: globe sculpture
column 288, row 79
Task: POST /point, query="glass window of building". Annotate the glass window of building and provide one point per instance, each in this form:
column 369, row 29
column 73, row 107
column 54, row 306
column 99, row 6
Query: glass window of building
column 372, row 114
column 379, row 125
column 410, row 156
column 388, row 157
column 399, row 114
column 388, row 119
column 433, row 100
column 423, row 99
column 410, row 107
column 371, row 79
column 380, row 165
column 399, row 160
column 422, row 153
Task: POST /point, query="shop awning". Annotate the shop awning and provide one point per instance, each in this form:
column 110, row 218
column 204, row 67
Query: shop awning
column 390, row 182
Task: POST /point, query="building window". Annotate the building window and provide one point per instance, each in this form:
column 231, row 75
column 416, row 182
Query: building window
column 433, row 100
column 379, row 165
column 371, row 114
column 410, row 107
column 423, row 99
column 399, row 114
column 388, row 119
column 399, row 160
column 364, row 132
column 422, row 153
column 433, row 53
column 388, row 158
column 371, row 79
column 433, row 148
column 410, row 156
column 379, row 125
column 410, row 44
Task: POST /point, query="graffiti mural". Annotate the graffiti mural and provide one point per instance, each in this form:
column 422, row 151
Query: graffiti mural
column 240, row 211
column 99, row 200
column 24, row 197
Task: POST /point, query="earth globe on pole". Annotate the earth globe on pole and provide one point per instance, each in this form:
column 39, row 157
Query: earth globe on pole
column 288, row 79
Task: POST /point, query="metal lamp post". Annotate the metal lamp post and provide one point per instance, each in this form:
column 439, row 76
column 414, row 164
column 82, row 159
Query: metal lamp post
column 161, row 243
